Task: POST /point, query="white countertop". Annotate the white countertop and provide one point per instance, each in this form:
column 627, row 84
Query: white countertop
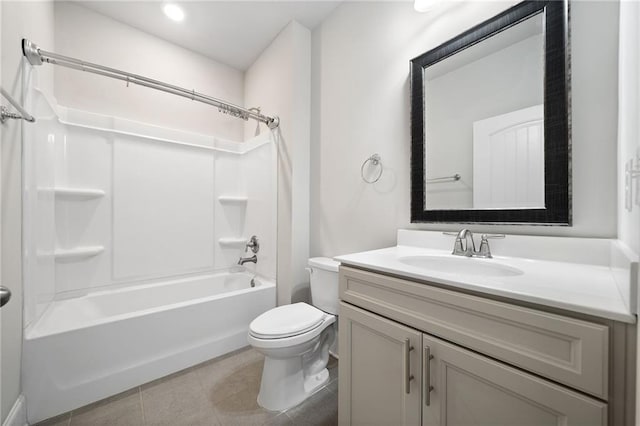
column 578, row 287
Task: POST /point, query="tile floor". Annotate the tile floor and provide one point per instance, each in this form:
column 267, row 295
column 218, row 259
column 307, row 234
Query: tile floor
column 222, row 391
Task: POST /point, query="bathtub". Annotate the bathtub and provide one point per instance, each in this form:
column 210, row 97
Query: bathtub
column 87, row 348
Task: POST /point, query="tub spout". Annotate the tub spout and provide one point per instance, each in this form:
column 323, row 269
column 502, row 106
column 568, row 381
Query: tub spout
column 252, row 259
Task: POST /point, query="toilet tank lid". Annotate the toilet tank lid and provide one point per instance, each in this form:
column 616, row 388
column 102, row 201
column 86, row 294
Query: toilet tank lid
column 325, row 263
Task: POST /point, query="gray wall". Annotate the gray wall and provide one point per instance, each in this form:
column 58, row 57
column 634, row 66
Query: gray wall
column 278, row 81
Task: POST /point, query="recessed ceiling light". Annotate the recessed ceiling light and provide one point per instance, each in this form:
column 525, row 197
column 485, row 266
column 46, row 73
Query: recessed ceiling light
column 173, row 11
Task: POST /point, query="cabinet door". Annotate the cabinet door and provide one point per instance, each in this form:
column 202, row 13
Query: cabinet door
column 379, row 372
column 471, row 389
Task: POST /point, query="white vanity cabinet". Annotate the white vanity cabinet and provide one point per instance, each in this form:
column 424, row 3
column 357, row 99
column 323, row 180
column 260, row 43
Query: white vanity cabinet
column 384, row 359
column 472, row 389
column 413, row 353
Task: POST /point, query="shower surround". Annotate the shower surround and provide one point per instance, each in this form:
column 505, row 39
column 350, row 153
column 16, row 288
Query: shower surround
column 131, row 236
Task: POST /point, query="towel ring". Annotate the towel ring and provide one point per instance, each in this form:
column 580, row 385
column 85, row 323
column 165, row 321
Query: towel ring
column 375, row 161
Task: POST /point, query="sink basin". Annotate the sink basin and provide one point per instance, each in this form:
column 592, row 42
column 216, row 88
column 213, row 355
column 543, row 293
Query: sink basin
column 461, row 265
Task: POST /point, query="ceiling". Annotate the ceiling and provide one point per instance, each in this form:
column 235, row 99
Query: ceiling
column 231, row 32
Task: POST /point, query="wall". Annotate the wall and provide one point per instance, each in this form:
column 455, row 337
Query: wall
column 628, row 124
column 85, row 34
column 14, row 26
column 279, row 83
column 360, row 92
column 628, row 137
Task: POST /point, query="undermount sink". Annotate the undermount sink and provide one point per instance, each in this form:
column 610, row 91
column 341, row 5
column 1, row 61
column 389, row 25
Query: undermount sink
column 461, row 265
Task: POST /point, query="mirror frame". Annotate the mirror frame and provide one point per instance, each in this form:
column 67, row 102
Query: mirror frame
column 557, row 119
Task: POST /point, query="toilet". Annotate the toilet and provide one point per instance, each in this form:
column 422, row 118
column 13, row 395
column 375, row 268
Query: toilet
column 296, row 339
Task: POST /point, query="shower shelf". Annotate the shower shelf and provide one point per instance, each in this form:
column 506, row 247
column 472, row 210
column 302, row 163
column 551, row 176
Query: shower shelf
column 75, row 193
column 232, row 242
column 232, row 200
column 77, row 253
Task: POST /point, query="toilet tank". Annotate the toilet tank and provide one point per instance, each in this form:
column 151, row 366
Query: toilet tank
column 323, row 273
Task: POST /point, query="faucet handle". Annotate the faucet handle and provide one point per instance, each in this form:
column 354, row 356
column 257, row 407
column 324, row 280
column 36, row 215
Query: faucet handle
column 484, row 250
column 457, row 245
column 458, row 248
column 461, row 248
column 253, row 244
column 492, row 236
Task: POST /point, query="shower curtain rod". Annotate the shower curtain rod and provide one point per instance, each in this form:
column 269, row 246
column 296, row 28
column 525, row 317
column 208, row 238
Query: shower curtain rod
column 4, row 111
column 37, row 56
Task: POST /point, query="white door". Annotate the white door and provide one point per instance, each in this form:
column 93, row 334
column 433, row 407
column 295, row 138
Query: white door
column 508, row 160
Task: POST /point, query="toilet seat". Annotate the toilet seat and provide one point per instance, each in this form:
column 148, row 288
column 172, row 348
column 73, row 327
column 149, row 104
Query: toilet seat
column 286, row 321
column 290, row 334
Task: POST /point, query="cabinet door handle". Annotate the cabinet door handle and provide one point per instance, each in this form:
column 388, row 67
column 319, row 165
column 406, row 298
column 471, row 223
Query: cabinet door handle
column 426, row 359
column 407, row 366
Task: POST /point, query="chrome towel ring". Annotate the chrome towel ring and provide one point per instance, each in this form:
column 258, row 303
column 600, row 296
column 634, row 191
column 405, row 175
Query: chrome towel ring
column 373, row 161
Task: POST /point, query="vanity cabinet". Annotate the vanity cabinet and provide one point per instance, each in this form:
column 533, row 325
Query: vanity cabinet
column 415, row 353
column 383, row 381
column 472, row 389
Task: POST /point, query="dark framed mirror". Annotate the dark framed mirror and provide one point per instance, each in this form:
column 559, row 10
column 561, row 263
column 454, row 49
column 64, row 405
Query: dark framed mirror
column 490, row 122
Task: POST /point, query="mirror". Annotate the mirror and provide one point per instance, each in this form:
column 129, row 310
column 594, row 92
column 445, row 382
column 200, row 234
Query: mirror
column 490, row 122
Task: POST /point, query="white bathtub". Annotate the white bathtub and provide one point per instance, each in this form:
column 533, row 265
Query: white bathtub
column 87, row 348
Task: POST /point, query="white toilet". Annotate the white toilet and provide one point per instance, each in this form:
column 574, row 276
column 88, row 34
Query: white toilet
column 295, row 341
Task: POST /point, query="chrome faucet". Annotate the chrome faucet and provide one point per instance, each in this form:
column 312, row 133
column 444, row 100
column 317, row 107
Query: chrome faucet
column 465, row 245
column 252, row 259
column 254, row 245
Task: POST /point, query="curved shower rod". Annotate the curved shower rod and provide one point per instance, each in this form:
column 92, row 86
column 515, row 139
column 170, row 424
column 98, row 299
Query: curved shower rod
column 37, row 56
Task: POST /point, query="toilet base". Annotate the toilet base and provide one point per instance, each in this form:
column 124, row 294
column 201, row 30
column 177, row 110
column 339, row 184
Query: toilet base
column 315, row 382
column 295, row 367
column 284, row 386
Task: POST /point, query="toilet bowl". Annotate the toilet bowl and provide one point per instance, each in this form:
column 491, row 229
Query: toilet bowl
column 295, row 341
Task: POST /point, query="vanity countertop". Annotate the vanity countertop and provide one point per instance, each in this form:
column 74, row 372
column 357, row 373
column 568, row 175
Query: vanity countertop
column 585, row 288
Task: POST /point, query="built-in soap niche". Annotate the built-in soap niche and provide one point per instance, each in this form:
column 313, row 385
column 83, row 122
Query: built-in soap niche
column 75, row 209
column 234, row 211
column 77, row 253
column 232, row 242
column 231, row 200
column 233, row 235
column 74, row 194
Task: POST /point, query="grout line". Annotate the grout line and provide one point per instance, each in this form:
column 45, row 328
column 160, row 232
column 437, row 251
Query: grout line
column 144, row 417
column 289, row 417
column 69, row 421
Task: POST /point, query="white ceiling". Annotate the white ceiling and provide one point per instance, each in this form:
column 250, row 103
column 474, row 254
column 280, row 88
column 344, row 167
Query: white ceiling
column 231, row 32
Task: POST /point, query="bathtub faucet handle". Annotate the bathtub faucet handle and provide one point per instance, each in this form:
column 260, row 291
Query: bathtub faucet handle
column 253, row 244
